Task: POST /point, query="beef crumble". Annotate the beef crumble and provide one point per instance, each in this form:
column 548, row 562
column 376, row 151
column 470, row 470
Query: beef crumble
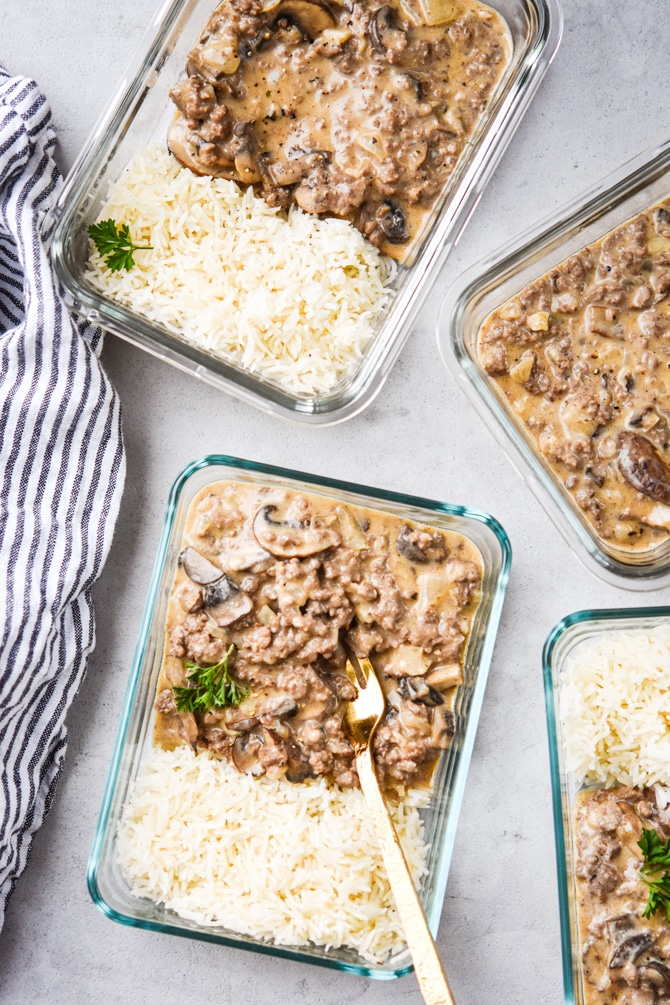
column 353, row 109
column 582, row 360
column 291, row 581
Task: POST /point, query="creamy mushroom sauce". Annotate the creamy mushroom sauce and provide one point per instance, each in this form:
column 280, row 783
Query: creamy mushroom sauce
column 289, row 579
column 581, row 358
column 353, row 109
column 625, row 957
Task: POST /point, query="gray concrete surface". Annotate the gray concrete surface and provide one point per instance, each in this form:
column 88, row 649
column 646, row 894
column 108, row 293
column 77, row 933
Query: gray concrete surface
column 605, row 98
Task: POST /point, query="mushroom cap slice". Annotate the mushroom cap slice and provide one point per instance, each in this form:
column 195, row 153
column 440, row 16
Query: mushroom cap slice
column 392, row 222
column 417, row 545
column 643, row 467
column 630, row 948
column 291, row 538
column 225, row 602
column 245, row 753
column 198, row 568
column 418, row 689
column 444, row 728
column 312, row 16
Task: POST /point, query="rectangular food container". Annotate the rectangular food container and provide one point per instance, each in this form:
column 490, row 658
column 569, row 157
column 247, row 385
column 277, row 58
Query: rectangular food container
column 138, row 117
column 107, row 886
column 634, row 187
column 567, row 634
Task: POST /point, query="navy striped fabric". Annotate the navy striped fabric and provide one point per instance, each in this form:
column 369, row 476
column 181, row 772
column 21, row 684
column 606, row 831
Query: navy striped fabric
column 61, row 476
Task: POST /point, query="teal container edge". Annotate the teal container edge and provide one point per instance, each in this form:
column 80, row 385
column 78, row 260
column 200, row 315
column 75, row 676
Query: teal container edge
column 578, row 625
column 133, row 719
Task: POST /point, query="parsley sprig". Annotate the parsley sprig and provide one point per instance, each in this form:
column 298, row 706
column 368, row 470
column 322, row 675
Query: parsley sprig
column 655, row 872
column 208, row 687
column 115, row 244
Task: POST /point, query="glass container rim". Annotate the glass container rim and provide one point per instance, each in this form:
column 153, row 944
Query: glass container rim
column 594, row 616
column 498, row 267
column 508, row 108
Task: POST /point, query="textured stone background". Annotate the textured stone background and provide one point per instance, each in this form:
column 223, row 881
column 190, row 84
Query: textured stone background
column 605, row 99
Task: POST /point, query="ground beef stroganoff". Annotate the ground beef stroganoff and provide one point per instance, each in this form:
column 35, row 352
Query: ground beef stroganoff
column 285, row 582
column 354, row 109
column 581, row 358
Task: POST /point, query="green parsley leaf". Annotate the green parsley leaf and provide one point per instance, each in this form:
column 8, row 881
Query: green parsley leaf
column 655, row 872
column 115, row 244
column 208, row 687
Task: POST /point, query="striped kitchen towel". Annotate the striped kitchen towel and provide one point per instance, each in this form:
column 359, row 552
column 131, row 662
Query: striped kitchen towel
column 61, row 476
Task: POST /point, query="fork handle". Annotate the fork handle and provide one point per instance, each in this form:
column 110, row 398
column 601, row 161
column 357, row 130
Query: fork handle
column 430, row 975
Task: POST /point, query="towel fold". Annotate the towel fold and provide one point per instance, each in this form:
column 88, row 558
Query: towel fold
column 61, row 477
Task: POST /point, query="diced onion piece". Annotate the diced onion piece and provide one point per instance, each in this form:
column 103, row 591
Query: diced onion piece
column 539, row 322
column 439, row 11
column 521, row 371
column 659, row 516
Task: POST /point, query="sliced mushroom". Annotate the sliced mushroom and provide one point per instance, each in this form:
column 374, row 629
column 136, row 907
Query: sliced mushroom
column 643, row 467
column 383, row 32
column 243, row 725
column 420, row 546
column 225, row 603
column 407, row 547
column 246, row 164
column 630, row 948
column 245, row 753
column 618, row 928
column 298, row 768
column 291, row 538
column 444, row 727
column 392, row 223
column 417, row 689
column 198, row 568
column 661, row 971
column 311, row 16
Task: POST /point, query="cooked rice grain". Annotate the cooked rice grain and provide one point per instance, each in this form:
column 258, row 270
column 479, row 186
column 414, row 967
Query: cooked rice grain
column 293, row 300
column 615, row 708
column 293, row 863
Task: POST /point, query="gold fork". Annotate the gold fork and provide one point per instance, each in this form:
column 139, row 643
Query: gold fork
column 361, row 720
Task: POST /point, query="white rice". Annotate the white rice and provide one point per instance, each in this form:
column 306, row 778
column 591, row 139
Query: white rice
column 615, row 708
column 293, row 300
column 295, row 863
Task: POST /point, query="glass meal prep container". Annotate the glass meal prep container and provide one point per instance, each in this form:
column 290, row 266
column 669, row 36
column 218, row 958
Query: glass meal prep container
column 138, row 117
column 107, row 885
column 636, row 186
column 562, row 640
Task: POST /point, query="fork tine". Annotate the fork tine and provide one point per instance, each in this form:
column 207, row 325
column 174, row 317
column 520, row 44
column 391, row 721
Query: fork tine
column 352, row 675
column 371, row 678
